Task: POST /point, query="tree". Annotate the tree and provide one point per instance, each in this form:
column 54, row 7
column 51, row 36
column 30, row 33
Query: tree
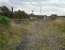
column 5, row 11
column 21, row 14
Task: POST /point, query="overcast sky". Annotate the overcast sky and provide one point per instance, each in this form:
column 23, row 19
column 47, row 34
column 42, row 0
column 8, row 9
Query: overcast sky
column 48, row 7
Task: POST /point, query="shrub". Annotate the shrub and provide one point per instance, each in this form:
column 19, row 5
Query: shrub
column 4, row 20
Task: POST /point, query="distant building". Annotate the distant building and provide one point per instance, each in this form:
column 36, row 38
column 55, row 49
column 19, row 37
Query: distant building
column 53, row 16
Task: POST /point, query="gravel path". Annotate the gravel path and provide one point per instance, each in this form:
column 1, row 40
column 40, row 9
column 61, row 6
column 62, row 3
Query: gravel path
column 31, row 41
column 36, row 41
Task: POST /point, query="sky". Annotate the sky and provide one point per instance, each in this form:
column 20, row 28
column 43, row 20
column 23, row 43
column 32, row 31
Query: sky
column 39, row 7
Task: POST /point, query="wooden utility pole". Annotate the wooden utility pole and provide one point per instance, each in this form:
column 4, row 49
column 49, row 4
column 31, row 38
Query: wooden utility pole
column 12, row 12
column 40, row 8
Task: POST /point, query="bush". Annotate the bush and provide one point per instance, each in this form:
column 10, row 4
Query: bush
column 4, row 20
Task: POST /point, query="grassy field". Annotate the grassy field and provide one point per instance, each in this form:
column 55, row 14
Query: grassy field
column 34, row 35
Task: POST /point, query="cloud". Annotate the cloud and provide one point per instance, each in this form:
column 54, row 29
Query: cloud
column 4, row 0
column 47, row 6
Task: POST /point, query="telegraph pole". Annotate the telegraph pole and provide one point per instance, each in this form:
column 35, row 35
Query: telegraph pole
column 45, row 17
column 40, row 8
column 12, row 10
column 31, row 10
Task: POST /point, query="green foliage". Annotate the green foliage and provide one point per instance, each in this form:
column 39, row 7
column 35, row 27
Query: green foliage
column 20, row 14
column 5, row 11
column 4, row 20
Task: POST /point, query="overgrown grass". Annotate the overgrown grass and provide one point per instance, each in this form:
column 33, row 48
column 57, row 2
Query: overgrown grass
column 10, row 35
column 10, row 38
column 51, row 37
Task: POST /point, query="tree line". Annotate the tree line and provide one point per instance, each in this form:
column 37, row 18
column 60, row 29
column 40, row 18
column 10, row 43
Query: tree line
column 5, row 11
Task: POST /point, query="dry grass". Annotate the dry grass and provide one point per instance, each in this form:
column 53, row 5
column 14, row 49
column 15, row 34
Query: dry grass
column 40, row 35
